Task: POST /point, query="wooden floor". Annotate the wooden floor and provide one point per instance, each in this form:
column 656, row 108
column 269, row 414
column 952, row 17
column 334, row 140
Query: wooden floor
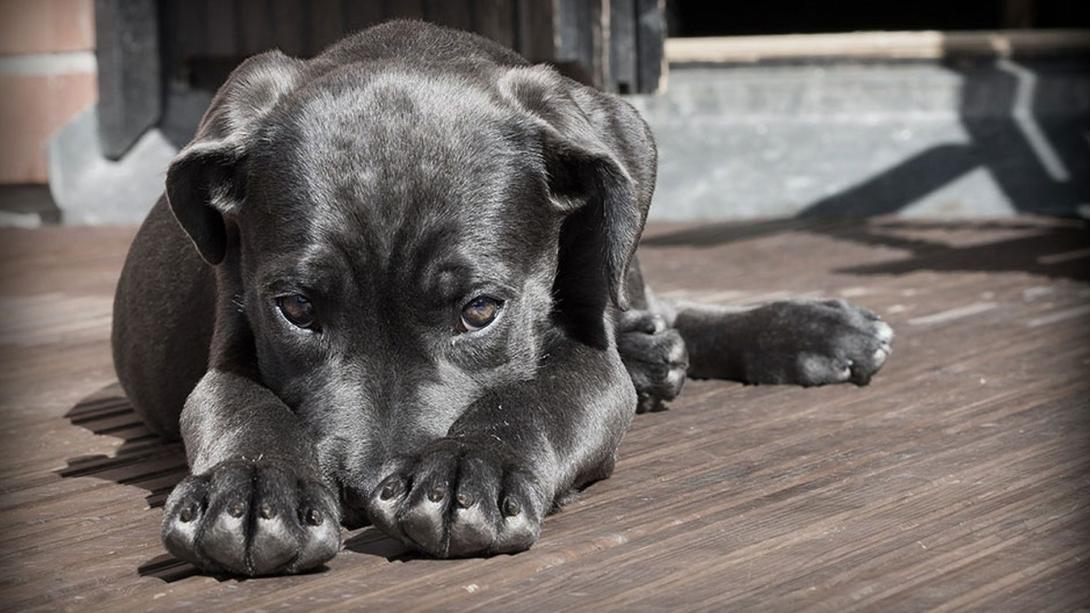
column 959, row 478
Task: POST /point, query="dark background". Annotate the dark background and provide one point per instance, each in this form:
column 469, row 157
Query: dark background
column 704, row 18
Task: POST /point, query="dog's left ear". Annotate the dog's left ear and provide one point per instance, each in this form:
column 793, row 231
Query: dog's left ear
column 206, row 181
column 599, row 160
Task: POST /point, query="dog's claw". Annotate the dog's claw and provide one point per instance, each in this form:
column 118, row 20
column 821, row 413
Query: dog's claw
column 391, row 489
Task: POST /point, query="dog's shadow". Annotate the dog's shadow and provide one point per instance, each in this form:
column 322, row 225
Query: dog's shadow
column 156, row 465
column 143, row 460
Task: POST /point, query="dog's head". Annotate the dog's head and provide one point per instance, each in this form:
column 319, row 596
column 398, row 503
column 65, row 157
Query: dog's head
column 403, row 240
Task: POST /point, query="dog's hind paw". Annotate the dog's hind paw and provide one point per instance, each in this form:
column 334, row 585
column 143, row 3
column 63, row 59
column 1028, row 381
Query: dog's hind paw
column 252, row 519
column 817, row 343
column 459, row 499
column 655, row 357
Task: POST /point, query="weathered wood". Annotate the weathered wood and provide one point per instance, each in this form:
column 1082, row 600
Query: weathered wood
column 577, row 34
column 287, row 19
column 536, row 30
column 127, row 50
column 651, row 36
column 879, row 45
column 1018, row 13
column 359, row 15
column 496, row 19
column 255, row 32
column 222, row 30
column 957, row 479
column 450, row 13
column 411, row 9
column 327, row 24
column 623, row 51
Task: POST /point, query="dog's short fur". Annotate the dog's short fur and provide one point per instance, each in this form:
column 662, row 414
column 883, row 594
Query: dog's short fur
column 391, row 180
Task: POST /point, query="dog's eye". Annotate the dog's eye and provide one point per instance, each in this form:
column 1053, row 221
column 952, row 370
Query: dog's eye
column 298, row 310
column 480, row 312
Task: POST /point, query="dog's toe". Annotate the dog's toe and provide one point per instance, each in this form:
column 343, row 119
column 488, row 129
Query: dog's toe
column 821, row 369
column 655, row 357
column 867, row 347
column 455, row 500
column 249, row 519
column 819, row 343
column 472, row 530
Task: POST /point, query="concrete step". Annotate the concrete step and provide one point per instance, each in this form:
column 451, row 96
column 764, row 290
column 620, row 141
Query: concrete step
column 949, row 139
column 968, row 139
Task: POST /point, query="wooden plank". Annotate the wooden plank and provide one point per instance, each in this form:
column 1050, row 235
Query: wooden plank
column 925, row 45
column 286, row 17
column 1018, row 13
column 496, row 19
column 956, row 479
column 578, row 38
column 451, row 13
column 623, row 49
column 405, row 9
column 650, row 37
column 326, row 24
column 185, row 28
column 127, row 49
column 222, row 30
column 360, row 15
column 537, row 30
column 255, row 29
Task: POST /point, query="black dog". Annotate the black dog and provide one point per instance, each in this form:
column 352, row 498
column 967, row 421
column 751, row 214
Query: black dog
column 416, row 304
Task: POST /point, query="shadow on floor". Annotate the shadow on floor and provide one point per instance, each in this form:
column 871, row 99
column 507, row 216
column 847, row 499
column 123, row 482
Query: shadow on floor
column 1024, row 125
column 143, row 460
column 149, row 462
column 1021, row 131
column 1059, row 249
column 1052, row 252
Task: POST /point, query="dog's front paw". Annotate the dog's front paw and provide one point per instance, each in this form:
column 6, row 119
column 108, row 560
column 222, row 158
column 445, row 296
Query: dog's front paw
column 460, row 498
column 655, row 357
column 818, row 342
column 252, row 518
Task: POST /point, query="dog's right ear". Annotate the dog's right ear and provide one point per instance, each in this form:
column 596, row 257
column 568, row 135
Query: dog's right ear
column 206, row 181
column 599, row 160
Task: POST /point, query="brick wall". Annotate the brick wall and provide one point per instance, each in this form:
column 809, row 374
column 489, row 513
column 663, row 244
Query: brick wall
column 47, row 75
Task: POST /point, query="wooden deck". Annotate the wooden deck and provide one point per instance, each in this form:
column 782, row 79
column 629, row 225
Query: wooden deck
column 959, row 478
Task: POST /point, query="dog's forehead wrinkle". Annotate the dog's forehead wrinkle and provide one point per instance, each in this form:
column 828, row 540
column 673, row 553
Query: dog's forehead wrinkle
column 306, row 265
column 396, row 120
column 433, row 147
column 419, row 242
